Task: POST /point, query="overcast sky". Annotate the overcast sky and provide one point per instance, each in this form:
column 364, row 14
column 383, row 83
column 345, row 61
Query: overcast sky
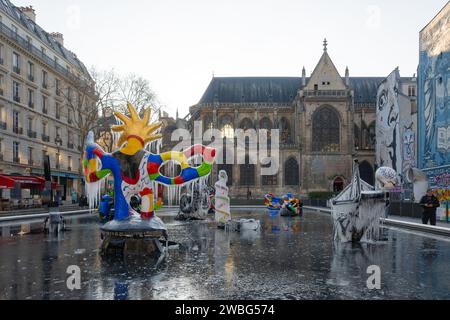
column 178, row 45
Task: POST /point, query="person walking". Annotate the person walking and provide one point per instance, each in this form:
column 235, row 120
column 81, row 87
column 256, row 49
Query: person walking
column 429, row 203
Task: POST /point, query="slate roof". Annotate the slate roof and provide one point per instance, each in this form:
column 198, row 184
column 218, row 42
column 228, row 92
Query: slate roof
column 277, row 89
column 16, row 14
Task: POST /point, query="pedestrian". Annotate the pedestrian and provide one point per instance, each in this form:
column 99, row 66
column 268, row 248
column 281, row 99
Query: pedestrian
column 429, row 203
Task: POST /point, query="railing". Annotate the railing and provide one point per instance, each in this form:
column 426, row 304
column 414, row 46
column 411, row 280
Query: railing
column 325, row 93
column 45, row 138
column 31, row 105
column 44, row 85
column 32, row 134
column 16, row 70
column 25, row 44
column 44, row 110
column 17, row 130
column 30, row 78
column 16, row 99
column 58, row 116
column 3, row 126
column 70, row 145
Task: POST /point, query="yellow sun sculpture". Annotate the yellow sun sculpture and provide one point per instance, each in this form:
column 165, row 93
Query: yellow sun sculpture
column 136, row 128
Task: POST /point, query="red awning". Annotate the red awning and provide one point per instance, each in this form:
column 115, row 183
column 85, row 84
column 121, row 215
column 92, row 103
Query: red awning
column 26, row 182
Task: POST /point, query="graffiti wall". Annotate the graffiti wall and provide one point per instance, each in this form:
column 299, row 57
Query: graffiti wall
column 433, row 94
column 396, row 126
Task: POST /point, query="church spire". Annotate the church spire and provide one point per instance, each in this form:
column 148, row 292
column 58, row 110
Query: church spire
column 303, row 76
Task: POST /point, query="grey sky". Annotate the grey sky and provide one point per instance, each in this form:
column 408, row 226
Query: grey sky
column 178, row 45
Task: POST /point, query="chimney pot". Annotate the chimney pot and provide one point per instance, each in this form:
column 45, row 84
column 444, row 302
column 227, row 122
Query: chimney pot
column 29, row 12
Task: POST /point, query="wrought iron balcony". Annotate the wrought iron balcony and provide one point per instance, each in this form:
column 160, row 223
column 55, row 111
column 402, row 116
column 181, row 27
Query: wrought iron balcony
column 70, row 145
column 44, row 110
column 16, row 99
column 31, row 77
column 17, row 130
column 45, row 138
column 31, row 105
column 32, row 134
column 325, row 93
column 16, row 70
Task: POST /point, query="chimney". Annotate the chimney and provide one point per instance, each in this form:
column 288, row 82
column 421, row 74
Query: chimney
column 347, row 77
column 58, row 37
column 303, row 77
column 29, row 12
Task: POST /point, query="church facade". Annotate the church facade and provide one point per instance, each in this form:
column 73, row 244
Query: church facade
column 325, row 121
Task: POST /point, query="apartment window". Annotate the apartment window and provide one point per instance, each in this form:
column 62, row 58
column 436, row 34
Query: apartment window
column 29, row 41
column 30, row 124
column 69, row 117
column 58, row 139
column 30, row 156
column 69, row 94
column 70, row 140
column 16, row 128
column 56, row 61
column 44, row 79
column 14, row 30
column 2, row 50
column 16, row 91
column 45, row 137
column 2, row 81
column 57, row 86
column 411, row 91
column 58, row 111
column 1, row 149
column 44, row 155
column 30, row 71
column 16, row 152
column 30, row 98
column 16, row 63
column 70, row 163
column 44, row 105
column 43, row 51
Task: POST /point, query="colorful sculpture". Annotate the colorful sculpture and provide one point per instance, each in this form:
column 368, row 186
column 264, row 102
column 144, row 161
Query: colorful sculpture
column 288, row 205
column 135, row 170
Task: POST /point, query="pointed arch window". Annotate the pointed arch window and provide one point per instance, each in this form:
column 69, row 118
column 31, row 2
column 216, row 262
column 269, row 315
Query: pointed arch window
column 291, row 172
column 326, row 130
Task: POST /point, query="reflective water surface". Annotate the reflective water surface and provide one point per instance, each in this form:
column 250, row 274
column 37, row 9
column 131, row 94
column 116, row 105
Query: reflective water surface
column 290, row 258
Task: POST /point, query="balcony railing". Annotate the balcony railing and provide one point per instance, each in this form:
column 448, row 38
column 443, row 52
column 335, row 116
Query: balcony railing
column 16, row 70
column 17, row 130
column 16, row 99
column 31, row 105
column 25, row 44
column 44, row 85
column 70, row 145
column 31, row 78
column 3, row 126
column 32, row 134
column 58, row 116
column 44, row 110
column 45, row 138
column 325, row 93
column 16, row 159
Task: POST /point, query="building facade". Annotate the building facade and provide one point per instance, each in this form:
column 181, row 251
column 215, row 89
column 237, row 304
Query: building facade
column 434, row 100
column 325, row 122
column 39, row 80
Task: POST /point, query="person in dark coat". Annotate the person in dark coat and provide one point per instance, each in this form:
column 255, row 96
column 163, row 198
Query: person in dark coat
column 429, row 203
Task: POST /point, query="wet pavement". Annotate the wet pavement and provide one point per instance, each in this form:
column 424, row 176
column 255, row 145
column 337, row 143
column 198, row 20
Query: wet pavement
column 290, row 258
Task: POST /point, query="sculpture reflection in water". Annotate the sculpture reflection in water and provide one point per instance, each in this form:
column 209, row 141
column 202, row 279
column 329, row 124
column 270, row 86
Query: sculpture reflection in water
column 357, row 211
column 138, row 172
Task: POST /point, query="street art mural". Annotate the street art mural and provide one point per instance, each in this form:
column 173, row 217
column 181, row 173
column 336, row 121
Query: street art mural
column 433, row 97
column 388, row 148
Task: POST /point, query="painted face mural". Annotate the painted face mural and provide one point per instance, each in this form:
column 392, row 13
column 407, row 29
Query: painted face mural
column 388, row 133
